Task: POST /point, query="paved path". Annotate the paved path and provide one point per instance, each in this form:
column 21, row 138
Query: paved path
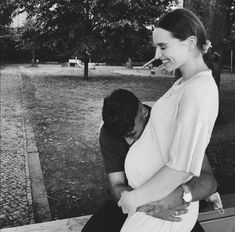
column 15, row 186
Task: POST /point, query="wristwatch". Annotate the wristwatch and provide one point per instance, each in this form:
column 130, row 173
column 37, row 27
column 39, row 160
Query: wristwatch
column 187, row 194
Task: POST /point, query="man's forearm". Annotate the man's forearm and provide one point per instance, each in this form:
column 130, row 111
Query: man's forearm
column 201, row 187
column 118, row 184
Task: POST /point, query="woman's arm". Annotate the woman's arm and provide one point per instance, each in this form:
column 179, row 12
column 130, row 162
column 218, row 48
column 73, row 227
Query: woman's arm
column 201, row 187
column 159, row 186
column 167, row 180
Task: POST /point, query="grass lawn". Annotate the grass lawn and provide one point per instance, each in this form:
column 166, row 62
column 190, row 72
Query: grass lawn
column 65, row 112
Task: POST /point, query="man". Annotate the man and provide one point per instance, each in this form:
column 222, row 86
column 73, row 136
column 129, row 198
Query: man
column 125, row 118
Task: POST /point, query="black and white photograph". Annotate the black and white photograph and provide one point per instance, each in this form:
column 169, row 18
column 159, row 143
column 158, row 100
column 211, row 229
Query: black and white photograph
column 117, row 116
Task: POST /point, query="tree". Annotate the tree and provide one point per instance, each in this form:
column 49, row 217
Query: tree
column 217, row 16
column 28, row 37
column 7, row 9
column 81, row 27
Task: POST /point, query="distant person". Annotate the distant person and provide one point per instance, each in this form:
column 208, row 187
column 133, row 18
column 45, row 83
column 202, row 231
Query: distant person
column 171, row 148
column 123, row 112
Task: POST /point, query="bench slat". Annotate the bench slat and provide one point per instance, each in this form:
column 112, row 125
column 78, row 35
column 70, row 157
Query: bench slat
column 209, row 213
column 63, row 225
column 220, row 225
column 210, row 219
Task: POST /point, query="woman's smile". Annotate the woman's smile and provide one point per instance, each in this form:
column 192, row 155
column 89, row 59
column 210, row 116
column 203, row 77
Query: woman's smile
column 166, row 62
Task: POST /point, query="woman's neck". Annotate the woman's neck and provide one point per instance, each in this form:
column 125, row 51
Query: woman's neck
column 192, row 67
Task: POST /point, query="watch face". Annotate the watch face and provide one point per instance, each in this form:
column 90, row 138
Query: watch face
column 187, row 197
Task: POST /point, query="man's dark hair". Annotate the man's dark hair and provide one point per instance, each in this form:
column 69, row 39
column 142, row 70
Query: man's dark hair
column 119, row 111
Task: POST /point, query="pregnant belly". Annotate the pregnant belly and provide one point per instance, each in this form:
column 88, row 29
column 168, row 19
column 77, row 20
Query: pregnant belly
column 142, row 162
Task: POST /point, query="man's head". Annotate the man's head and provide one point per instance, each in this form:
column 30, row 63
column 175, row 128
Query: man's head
column 124, row 115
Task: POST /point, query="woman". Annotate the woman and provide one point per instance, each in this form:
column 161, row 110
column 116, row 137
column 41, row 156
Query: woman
column 172, row 146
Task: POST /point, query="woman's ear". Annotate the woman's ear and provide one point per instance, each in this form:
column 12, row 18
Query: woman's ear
column 192, row 42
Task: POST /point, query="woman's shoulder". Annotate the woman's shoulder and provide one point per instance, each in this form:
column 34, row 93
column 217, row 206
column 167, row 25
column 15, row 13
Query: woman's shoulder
column 201, row 87
column 203, row 81
column 203, row 77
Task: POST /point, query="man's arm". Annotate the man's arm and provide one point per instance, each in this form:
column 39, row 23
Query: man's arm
column 204, row 185
column 118, row 184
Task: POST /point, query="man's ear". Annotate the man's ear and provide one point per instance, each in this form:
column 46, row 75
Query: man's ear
column 145, row 112
column 192, row 42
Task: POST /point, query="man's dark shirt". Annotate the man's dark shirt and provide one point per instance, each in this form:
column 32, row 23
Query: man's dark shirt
column 114, row 150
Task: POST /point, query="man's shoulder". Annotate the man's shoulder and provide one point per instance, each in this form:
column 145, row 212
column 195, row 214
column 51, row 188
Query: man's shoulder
column 105, row 137
column 113, row 150
column 104, row 133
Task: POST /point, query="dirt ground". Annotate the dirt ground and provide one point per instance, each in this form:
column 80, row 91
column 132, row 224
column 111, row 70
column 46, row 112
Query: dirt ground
column 65, row 112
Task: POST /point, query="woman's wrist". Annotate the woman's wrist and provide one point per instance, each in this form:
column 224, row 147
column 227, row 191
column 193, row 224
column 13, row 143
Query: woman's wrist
column 136, row 199
column 127, row 202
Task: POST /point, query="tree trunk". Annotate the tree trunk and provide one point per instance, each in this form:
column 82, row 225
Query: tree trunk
column 33, row 56
column 86, row 63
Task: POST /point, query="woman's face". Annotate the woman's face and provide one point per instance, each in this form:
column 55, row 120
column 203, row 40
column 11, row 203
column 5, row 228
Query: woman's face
column 173, row 52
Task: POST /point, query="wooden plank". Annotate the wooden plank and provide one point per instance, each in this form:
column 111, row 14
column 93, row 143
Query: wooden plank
column 209, row 213
column 64, row 225
column 219, row 225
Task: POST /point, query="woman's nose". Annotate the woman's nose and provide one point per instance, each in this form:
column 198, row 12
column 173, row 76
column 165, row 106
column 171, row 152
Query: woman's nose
column 130, row 140
column 158, row 53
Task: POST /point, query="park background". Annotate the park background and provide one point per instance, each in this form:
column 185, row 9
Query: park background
column 63, row 103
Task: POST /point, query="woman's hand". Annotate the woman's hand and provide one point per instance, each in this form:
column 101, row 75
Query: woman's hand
column 158, row 210
column 127, row 204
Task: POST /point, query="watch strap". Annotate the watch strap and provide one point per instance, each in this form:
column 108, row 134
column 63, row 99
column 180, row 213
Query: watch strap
column 186, row 188
column 187, row 195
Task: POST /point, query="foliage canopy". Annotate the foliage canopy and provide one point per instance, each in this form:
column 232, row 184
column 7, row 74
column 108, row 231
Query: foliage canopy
column 89, row 27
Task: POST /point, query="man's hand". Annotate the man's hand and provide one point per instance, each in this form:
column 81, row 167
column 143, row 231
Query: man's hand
column 157, row 210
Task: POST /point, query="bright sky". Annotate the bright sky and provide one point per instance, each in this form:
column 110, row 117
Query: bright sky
column 19, row 20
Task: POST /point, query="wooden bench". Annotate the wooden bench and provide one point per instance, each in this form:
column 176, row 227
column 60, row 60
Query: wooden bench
column 63, row 225
column 211, row 220
column 78, row 63
column 75, row 62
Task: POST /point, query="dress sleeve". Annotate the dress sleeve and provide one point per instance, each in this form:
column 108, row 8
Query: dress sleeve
column 192, row 131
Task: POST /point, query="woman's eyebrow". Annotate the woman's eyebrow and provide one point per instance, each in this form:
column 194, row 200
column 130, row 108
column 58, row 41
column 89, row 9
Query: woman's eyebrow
column 161, row 44
column 131, row 134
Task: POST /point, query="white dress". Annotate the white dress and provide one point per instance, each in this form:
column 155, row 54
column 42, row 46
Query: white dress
column 177, row 134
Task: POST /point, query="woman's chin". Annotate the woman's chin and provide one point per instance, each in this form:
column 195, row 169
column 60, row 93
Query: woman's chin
column 169, row 69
